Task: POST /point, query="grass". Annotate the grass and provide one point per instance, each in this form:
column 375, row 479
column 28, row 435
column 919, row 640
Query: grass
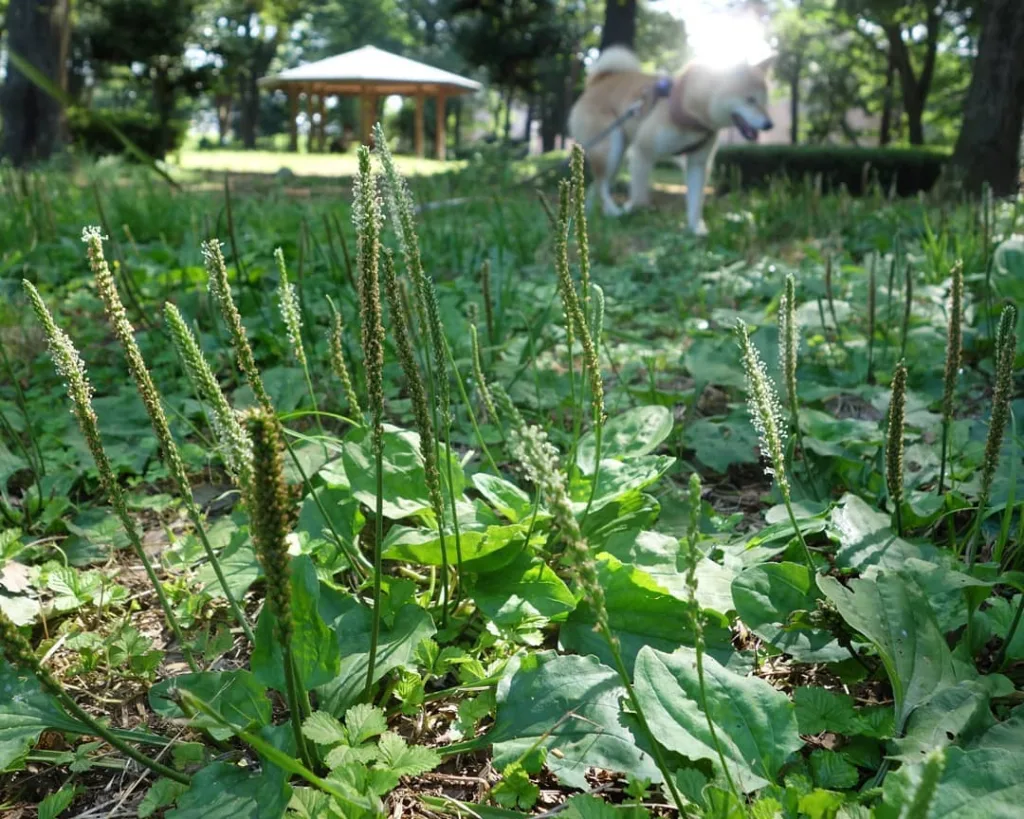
column 594, row 568
column 300, row 164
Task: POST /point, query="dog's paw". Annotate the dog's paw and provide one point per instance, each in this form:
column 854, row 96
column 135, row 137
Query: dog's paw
column 700, row 230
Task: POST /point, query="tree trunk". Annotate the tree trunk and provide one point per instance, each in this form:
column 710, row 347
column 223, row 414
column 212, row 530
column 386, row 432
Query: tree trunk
column 915, row 88
column 508, row 116
column 31, row 117
column 528, row 127
column 885, row 126
column 619, row 23
column 988, row 148
column 794, row 102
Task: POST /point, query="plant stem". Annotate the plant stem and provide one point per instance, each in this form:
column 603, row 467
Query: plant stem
column 298, row 714
column 796, row 528
column 378, row 563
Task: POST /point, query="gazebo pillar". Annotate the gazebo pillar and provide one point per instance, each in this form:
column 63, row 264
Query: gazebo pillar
column 419, row 124
column 310, row 108
column 439, row 134
column 321, row 134
column 293, row 120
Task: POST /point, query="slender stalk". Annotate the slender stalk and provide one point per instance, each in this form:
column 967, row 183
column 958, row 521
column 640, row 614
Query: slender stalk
column 908, row 306
column 69, row 365
column 465, row 398
column 367, row 217
column 292, row 314
column 18, row 651
column 872, row 298
column 954, row 347
column 340, row 367
column 154, row 408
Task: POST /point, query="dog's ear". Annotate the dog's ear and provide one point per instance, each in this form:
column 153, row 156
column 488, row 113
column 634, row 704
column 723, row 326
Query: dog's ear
column 766, row 64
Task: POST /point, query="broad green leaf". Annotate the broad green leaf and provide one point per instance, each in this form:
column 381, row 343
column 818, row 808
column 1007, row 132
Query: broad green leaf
column 364, row 722
column 162, row 793
column 831, row 771
column 638, row 431
column 507, row 498
column 350, row 621
column 223, row 791
column 240, row 566
column 722, row 444
column 423, row 546
column 765, row 598
column 658, row 555
column 640, row 614
column 403, row 759
column 866, row 539
column 617, row 479
column 584, row 806
column 954, row 716
column 630, row 513
column 324, row 729
column 342, row 511
column 570, row 706
column 314, row 647
column 894, row 615
column 819, row 710
column 524, row 590
column 237, row 695
column 57, row 802
column 405, row 486
column 755, row 725
column 976, row 784
column 713, row 360
column 25, row 712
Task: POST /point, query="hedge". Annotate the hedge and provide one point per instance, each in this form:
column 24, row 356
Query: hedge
column 913, row 169
column 143, row 129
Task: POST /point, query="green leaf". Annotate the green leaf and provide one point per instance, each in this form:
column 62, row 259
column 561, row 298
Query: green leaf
column 423, row 545
column 956, row 715
column 658, row 555
column 405, row 485
column 765, row 598
column 722, row 444
column 896, row 618
column 505, row 497
column 638, row 431
column 351, row 622
column 324, row 729
column 569, row 705
column 403, row 759
column 524, row 590
column 222, row 791
column 240, row 566
column 515, row 789
column 976, row 784
column 755, row 725
column 640, row 614
column 585, row 806
column 25, row 712
column 617, row 479
column 237, row 695
column 819, row 710
column 56, row 803
column 364, row 722
column 866, row 539
column 314, row 647
column 342, row 510
column 162, row 793
column 831, row 771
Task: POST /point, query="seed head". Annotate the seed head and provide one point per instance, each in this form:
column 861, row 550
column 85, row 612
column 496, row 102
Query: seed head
column 220, row 289
column 580, row 217
column 340, row 367
column 894, row 439
column 765, row 411
column 789, row 342
column 954, row 341
column 269, row 516
column 233, row 439
column 1006, row 352
column 290, row 312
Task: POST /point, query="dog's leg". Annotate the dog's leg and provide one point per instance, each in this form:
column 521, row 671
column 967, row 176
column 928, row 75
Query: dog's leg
column 640, row 164
column 613, row 159
column 696, row 175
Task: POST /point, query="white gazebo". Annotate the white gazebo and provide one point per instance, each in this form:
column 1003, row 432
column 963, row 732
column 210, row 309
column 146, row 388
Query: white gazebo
column 369, row 73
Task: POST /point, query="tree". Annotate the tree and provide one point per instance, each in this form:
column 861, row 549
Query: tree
column 37, row 31
column 988, row 148
column 619, row 23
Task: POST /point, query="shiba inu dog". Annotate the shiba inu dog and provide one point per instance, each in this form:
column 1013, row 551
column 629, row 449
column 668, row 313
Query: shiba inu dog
column 678, row 116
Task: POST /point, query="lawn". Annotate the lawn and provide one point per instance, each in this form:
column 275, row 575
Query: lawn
column 576, row 555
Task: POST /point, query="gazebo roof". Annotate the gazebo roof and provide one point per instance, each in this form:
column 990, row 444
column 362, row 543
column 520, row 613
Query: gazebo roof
column 371, row 70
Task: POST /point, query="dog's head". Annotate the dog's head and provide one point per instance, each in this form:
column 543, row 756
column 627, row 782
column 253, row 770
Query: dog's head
column 742, row 99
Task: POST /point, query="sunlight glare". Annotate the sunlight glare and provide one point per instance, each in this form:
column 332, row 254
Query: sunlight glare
column 716, row 36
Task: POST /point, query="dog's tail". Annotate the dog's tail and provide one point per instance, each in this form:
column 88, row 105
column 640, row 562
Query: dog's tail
column 615, row 59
